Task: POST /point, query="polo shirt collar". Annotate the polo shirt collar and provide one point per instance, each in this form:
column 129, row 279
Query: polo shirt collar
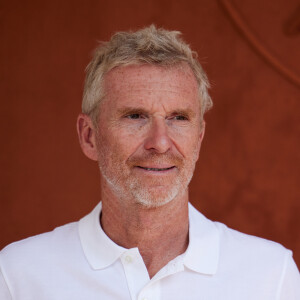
column 202, row 254
column 98, row 248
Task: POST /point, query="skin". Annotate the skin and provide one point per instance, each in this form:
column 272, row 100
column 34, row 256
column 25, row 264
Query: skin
column 147, row 144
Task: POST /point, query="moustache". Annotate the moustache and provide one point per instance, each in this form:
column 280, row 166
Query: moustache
column 156, row 158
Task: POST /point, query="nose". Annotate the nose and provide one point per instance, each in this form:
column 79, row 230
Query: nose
column 158, row 139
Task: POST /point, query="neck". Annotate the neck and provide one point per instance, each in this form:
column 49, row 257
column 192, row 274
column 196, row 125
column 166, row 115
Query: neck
column 160, row 233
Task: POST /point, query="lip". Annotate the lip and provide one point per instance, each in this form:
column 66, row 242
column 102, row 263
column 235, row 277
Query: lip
column 156, row 169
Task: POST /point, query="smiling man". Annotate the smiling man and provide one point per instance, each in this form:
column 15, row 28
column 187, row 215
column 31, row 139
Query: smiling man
column 142, row 121
column 149, row 133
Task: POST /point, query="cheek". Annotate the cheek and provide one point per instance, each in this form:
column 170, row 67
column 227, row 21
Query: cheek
column 187, row 141
column 128, row 138
column 116, row 146
column 192, row 149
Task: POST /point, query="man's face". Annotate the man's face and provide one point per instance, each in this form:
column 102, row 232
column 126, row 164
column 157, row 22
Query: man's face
column 149, row 132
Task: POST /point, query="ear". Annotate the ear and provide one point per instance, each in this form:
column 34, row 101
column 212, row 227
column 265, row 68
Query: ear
column 202, row 131
column 201, row 136
column 87, row 136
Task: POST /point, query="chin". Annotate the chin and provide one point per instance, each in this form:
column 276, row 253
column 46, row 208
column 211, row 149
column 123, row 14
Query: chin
column 154, row 198
column 156, row 194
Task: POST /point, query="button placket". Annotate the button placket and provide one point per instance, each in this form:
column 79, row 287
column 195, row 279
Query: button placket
column 135, row 271
column 150, row 292
column 128, row 258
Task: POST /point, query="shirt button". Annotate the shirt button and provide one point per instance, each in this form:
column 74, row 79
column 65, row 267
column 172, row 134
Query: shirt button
column 129, row 260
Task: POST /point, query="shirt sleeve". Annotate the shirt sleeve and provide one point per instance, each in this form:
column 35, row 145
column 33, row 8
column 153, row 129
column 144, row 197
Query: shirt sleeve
column 4, row 290
column 290, row 286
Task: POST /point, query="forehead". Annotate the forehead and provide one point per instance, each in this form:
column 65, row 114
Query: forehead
column 151, row 84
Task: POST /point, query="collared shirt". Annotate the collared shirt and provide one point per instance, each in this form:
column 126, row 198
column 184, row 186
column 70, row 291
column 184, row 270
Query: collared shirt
column 78, row 261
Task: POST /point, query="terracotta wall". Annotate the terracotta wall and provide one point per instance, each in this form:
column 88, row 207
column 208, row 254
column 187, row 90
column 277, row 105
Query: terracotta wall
column 248, row 173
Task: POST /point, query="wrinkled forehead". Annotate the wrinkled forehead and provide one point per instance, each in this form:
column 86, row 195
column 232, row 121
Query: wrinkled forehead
column 148, row 78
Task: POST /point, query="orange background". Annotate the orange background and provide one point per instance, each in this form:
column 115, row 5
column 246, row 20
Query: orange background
column 248, row 172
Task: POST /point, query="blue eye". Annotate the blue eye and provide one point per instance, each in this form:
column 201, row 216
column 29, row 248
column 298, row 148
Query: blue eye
column 180, row 118
column 134, row 116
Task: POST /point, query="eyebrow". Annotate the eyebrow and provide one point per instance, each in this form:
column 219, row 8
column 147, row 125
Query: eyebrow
column 184, row 112
column 128, row 110
column 138, row 110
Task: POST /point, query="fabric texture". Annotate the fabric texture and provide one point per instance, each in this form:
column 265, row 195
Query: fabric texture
column 78, row 261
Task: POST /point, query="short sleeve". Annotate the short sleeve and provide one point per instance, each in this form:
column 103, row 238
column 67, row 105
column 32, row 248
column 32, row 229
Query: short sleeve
column 290, row 285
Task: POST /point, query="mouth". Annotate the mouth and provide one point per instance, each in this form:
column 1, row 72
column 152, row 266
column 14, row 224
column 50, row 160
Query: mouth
column 156, row 169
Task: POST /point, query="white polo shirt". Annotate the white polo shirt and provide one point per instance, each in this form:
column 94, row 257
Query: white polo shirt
column 78, row 261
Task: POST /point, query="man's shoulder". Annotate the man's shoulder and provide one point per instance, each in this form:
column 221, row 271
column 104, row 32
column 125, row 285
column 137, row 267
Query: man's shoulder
column 41, row 246
column 255, row 255
column 238, row 251
column 234, row 239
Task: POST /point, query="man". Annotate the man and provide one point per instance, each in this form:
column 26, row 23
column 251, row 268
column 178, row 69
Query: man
column 144, row 100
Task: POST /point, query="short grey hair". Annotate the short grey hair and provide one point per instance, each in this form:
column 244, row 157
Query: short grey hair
column 150, row 45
